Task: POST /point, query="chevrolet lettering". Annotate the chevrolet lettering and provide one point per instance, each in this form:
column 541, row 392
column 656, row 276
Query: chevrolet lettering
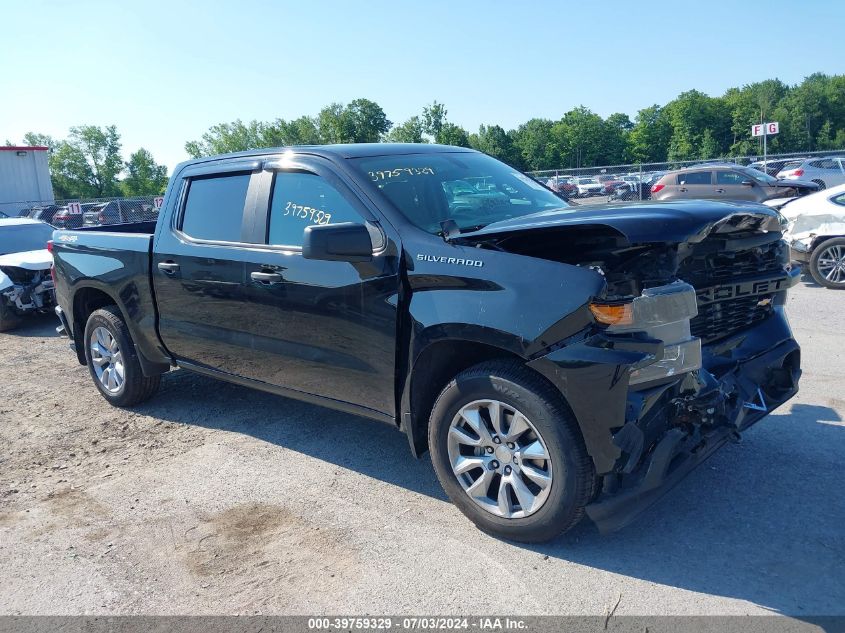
column 746, row 289
column 558, row 363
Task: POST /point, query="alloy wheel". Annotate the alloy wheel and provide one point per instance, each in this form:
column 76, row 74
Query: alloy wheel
column 107, row 359
column 500, row 459
column 831, row 264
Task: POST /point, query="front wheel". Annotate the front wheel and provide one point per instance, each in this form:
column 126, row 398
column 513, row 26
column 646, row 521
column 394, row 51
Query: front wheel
column 827, row 263
column 509, row 454
column 112, row 361
column 8, row 319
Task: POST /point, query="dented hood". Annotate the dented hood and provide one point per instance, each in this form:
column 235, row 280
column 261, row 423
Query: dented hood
column 672, row 221
column 40, row 259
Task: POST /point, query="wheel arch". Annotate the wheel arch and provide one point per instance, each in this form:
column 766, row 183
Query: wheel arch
column 435, row 365
column 86, row 300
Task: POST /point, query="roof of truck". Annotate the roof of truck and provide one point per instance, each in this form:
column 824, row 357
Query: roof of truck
column 343, row 150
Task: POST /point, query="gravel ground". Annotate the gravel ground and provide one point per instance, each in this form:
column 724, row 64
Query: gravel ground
column 213, row 499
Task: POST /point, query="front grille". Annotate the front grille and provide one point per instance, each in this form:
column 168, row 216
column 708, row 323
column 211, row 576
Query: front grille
column 720, row 319
column 723, row 318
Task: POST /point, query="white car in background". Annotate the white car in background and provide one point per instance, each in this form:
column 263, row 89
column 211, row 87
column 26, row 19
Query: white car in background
column 816, row 234
column 26, row 285
column 588, row 187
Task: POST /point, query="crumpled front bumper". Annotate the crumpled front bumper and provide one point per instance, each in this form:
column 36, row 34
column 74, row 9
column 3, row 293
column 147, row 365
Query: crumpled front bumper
column 645, row 439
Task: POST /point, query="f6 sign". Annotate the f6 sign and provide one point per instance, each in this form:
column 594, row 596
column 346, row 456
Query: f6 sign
column 765, row 129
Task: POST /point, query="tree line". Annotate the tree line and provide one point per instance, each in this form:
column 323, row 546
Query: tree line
column 690, row 127
column 89, row 164
column 693, row 126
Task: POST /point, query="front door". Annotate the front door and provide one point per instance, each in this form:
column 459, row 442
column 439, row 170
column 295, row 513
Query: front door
column 729, row 186
column 321, row 327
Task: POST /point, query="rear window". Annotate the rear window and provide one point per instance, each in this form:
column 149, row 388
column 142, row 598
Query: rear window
column 19, row 238
column 214, row 208
column 824, row 163
column 694, row 178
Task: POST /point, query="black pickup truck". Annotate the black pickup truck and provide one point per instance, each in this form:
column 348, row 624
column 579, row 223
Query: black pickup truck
column 554, row 361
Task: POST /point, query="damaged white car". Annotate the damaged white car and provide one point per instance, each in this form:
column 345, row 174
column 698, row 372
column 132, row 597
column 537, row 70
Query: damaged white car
column 26, row 285
column 816, row 234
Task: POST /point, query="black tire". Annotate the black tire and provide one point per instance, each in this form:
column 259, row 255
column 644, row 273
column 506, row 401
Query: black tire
column 821, row 184
column 818, row 276
column 136, row 387
column 573, row 483
column 8, row 319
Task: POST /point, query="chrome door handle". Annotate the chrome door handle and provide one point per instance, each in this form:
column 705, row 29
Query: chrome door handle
column 683, row 189
column 168, row 268
column 266, row 278
column 720, row 191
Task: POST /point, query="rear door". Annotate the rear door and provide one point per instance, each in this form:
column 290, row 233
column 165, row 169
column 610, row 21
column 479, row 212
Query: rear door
column 327, row 328
column 695, row 184
column 198, row 266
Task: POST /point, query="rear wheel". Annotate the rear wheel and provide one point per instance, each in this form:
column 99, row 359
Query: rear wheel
column 827, row 263
column 509, row 454
column 112, row 361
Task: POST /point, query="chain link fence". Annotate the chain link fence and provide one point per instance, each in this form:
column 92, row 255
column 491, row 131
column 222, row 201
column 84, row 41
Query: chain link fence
column 634, row 181
column 74, row 214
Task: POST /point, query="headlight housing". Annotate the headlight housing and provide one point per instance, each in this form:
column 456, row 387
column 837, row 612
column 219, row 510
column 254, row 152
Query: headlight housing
column 661, row 313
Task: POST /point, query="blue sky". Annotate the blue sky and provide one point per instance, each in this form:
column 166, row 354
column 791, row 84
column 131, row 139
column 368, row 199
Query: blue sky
column 163, row 72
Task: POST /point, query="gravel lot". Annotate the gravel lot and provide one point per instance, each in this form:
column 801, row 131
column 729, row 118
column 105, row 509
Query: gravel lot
column 215, row 499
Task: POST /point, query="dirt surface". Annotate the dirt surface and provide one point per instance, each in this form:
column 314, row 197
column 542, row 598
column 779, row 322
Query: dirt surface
column 213, row 499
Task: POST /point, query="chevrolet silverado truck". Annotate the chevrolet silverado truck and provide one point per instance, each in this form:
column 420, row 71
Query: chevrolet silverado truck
column 555, row 362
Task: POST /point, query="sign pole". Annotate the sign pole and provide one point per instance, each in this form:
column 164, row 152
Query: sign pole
column 765, row 137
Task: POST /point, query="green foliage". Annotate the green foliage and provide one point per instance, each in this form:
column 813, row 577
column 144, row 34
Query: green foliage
column 411, row 131
column 88, row 163
column 144, row 176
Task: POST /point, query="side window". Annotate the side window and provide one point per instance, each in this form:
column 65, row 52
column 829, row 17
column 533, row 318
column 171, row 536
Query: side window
column 302, row 199
column 840, row 199
column 214, row 208
column 694, row 178
column 824, row 163
column 730, row 178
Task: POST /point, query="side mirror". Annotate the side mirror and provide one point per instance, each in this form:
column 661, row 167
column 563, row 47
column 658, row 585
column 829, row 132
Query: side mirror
column 747, row 183
column 344, row 242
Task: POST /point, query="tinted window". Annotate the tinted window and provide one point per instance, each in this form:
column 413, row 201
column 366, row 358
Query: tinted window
column 840, row 199
column 694, row 178
column 301, row 199
column 825, row 163
column 18, row 238
column 215, row 207
column 729, row 178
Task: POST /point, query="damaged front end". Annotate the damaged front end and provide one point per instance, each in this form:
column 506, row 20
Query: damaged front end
column 691, row 347
column 24, row 290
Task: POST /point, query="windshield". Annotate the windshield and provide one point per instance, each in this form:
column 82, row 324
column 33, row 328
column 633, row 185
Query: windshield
column 18, row 238
column 759, row 175
column 471, row 189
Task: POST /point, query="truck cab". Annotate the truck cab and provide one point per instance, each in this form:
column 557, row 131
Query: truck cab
column 556, row 362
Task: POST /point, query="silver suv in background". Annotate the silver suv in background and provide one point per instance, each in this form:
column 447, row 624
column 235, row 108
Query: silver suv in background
column 828, row 171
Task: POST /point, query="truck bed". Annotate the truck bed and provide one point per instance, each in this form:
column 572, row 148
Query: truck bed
column 114, row 261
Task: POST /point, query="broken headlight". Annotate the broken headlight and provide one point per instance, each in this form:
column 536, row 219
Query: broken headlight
column 662, row 313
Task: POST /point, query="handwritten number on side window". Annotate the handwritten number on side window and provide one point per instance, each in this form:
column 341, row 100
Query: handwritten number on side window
column 309, row 214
